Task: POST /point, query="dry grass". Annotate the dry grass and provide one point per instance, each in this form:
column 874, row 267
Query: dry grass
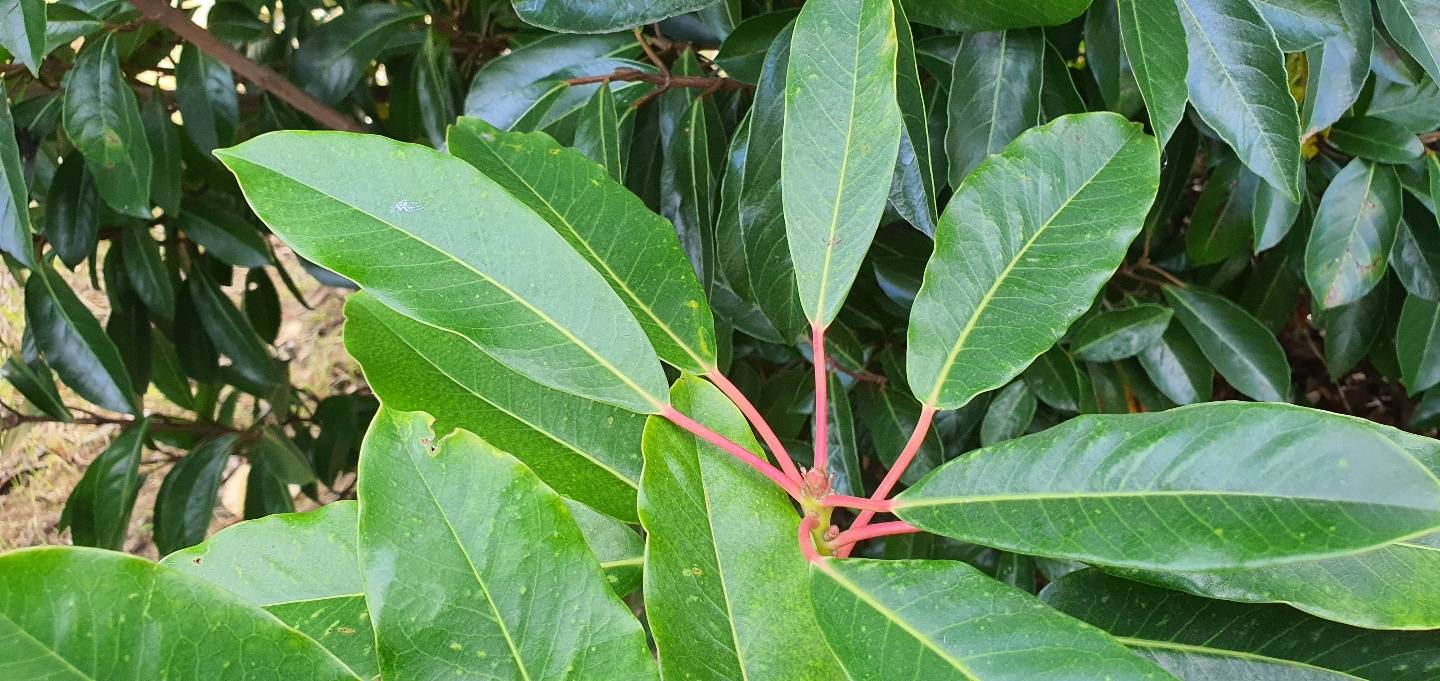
column 40, row 463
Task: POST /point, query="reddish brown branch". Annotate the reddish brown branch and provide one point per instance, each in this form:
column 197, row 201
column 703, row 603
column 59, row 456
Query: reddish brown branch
column 160, row 12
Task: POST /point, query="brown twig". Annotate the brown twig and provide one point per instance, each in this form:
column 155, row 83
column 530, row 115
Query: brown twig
column 261, row 76
column 665, row 82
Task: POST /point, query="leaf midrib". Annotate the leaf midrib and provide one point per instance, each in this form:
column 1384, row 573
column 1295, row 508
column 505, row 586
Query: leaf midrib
column 1224, row 652
column 902, row 502
column 41, row 644
column 1234, row 347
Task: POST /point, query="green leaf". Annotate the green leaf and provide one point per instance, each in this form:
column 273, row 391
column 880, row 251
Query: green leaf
column 1117, row 334
column 844, row 461
column 912, row 189
column 15, row 199
column 619, row 548
column 231, row 332
column 436, row 82
column 968, row 16
column 994, row 96
column 99, row 507
column 1002, row 255
column 146, row 272
column 585, row 450
column 693, row 160
column 164, row 140
column 1209, row 486
column 1197, row 638
column 1055, row 379
column 1417, row 343
column 205, row 95
column 933, row 619
column 1237, row 84
column 1154, row 40
column 1274, row 215
column 1375, row 139
column 470, row 563
column 1106, row 61
column 1221, row 223
column 72, row 212
column 336, row 53
column 508, row 87
column 841, row 139
column 102, row 119
column 1415, row 26
column 598, row 134
column 22, row 32
column 422, row 217
column 742, row 55
column 261, row 304
column 1009, row 414
column 1351, row 329
column 74, row 344
column 34, row 380
column 187, row 496
column 225, row 234
column 126, row 619
column 1353, row 233
column 166, row 372
column 1336, row 71
column 302, row 568
column 1177, row 366
column 1410, row 105
column 726, row 589
column 890, row 417
column 750, row 239
column 1236, row 343
column 578, row 16
column 1301, row 24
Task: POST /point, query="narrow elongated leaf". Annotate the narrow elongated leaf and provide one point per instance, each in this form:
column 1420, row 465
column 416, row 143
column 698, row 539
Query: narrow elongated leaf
column 726, row 589
column 14, row 196
column 692, row 165
column 1221, row 224
column 1415, row 26
column 126, row 619
column 1375, row 139
column 912, row 189
column 102, row 118
column 1207, row 478
column 619, row 548
column 99, row 508
column 1238, row 86
column 72, row 212
column 187, row 496
column 436, row 82
column 598, row 134
column 1198, row 638
column 471, row 563
column 225, row 234
column 422, row 217
column 74, row 344
column 1351, row 329
column 1055, row 380
column 932, row 619
column 968, row 16
column 1117, row 334
column 1178, row 367
column 576, row 16
column 994, row 96
column 34, row 380
column 742, row 55
column 1236, row 343
column 1417, row 343
column 146, row 273
column 337, row 53
column 844, row 461
column 1009, row 414
column 164, row 138
column 1274, row 214
column 1353, row 233
column 22, row 32
column 205, row 94
column 1336, row 70
column 585, row 450
column 1002, row 256
column 1154, row 41
column 841, row 139
column 302, row 568
column 1415, row 258
column 231, row 332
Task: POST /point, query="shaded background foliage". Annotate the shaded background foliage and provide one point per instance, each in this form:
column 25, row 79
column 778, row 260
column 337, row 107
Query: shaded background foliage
column 1293, row 253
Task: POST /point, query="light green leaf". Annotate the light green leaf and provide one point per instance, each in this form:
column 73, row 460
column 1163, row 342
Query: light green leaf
column 1002, row 255
column 1353, row 233
column 1117, row 334
column 1197, row 638
column 1209, row 486
column 994, row 96
column 470, row 563
column 74, row 344
column 841, row 139
column 74, row 614
column 102, row 119
column 726, row 589
column 416, row 231
column 1235, row 342
column 930, row 619
column 1154, row 41
column 1238, row 86
column 585, row 450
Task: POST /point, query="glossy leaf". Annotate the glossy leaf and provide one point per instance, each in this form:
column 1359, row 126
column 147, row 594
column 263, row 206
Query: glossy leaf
column 932, row 619
column 1375, row 139
column 1417, row 343
column 577, row 16
column 102, row 119
column 99, row 507
column 72, row 212
column 436, row 82
column 726, row 589
column 620, row 550
column 1221, row 224
column 844, row 444
column 74, row 344
column 146, row 273
column 1415, row 26
column 225, row 234
column 1336, row 71
column 1117, row 334
column 338, row 52
column 1234, row 342
column 231, row 332
column 1106, row 489
column 1238, row 86
column 743, row 53
column 1009, row 414
column 505, row 89
column 1090, row 174
column 890, row 417
column 1353, row 233
column 165, row 149
column 598, row 134
column 205, row 94
column 841, row 138
column 968, row 16
column 1178, row 367
column 36, row 382
column 912, row 188
column 22, row 32
column 1153, row 38
column 585, row 450
column 994, row 96
column 124, row 618
column 186, row 501
column 423, row 216
column 1200, row 638
column 1273, row 215
column 1351, row 329
column 14, row 196
column 463, row 551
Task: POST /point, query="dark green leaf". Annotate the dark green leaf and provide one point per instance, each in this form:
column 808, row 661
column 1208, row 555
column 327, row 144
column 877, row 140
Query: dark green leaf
column 1415, row 259
column 34, row 380
column 187, row 496
column 72, row 212
column 1415, row 26
column 994, row 96
column 577, row 16
column 102, row 119
column 1209, row 486
column 1154, row 41
column 1178, row 368
column 912, row 189
column 1337, row 69
column 1350, row 330
column 15, row 197
column 844, row 448
column 1221, row 223
column 505, row 89
column 205, row 95
column 436, row 82
column 262, row 305
column 463, row 548
column 598, row 134
column 1055, row 379
column 231, row 332
column 336, row 53
column 1117, row 334
column 890, row 416
column 968, row 16
column 742, row 55
column 1274, row 214
column 1417, row 343
column 74, row 344
column 1236, row 343
column 145, row 272
column 225, row 234
column 99, row 508
column 1353, row 233
column 22, row 32
column 165, row 149
column 1009, row 414
column 167, row 374
column 1375, row 139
